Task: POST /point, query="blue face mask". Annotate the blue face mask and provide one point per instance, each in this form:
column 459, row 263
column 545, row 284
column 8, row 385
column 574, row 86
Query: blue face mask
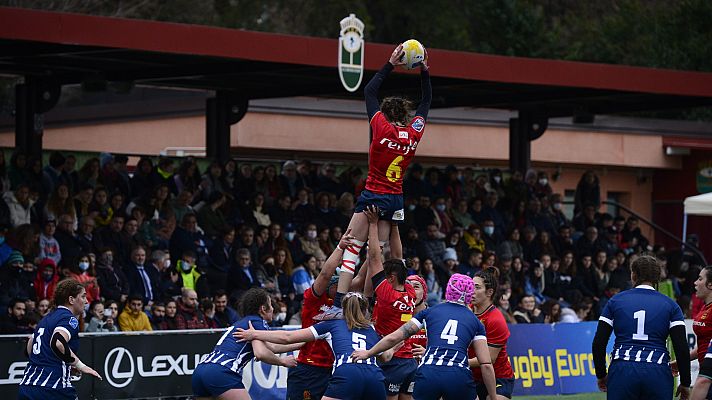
column 84, row 265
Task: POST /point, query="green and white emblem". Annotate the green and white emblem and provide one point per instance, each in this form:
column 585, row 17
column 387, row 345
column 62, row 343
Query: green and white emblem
column 351, row 47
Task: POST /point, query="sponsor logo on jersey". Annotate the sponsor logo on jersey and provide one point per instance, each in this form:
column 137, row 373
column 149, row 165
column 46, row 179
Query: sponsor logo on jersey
column 404, row 148
column 351, row 49
column 418, row 125
column 73, row 322
column 402, row 134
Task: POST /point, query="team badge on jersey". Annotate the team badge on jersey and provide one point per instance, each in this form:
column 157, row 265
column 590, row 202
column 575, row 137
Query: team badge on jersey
column 351, row 48
column 418, row 124
column 73, row 322
column 398, row 215
column 402, row 134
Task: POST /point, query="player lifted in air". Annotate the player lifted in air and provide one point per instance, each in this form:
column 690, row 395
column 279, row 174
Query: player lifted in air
column 395, row 137
column 53, row 348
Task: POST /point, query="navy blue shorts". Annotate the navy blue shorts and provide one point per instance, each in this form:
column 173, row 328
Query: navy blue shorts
column 306, row 382
column 400, row 375
column 505, row 386
column 28, row 392
column 356, row 381
column 391, row 205
column 639, row 380
column 450, row 383
column 212, row 380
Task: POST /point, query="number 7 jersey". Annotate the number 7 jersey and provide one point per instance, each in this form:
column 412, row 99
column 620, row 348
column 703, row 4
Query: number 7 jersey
column 392, row 149
column 641, row 319
column 451, row 330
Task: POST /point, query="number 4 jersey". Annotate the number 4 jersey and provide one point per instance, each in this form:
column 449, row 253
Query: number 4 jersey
column 451, row 330
column 641, row 319
column 392, row 149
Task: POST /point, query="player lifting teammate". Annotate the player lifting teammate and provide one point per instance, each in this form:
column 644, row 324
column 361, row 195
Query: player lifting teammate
column 642, row 318
column 451, row 329
column 351, row 379
column 53, row 347
column 395, row 137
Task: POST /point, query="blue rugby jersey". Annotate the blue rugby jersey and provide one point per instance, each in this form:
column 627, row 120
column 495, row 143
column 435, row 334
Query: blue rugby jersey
column 45, row 369
column 343, row 341
column 230, row 353
column 641, row 319
column 451, row 329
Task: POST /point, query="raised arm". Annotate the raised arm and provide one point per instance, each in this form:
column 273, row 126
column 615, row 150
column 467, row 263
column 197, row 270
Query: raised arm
column 395, row 242
column 371, row 90
column 327, row 270
column 425, row 88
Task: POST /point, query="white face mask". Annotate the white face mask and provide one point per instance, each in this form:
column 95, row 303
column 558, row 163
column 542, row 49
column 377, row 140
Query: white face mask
column 411, row 207
column 440, row 207
column 489, row 230
column 281, row 316
column 543, row 181
column 497, row 179
column 168, row 264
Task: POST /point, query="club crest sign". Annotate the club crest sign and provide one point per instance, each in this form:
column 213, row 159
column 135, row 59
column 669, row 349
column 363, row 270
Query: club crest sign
column 351, row 49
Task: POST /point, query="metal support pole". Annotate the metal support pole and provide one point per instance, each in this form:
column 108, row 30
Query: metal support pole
column 222, row 111
column 527, row 127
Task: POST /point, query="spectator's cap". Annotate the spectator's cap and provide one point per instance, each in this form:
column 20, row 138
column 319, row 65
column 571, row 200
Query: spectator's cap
column 105, row 158
column 290, row 227
column 289, row 165
column 47, row 262
column 450, row 254
column 15, row 257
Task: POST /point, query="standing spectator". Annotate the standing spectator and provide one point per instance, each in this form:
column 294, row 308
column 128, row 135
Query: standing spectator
column 111, row 279
column 224, row 314
column 46, row 280
column 133, row 319
column 143, row 281
column 588, row 192
column 49, row 247
column 189, row 315
column 20, row 205
column 80, row 270
column 14, row 321
column 528, row 312
column 158, row 317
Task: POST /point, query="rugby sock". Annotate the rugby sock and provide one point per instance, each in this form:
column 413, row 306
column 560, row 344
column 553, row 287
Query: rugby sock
column 348, row 263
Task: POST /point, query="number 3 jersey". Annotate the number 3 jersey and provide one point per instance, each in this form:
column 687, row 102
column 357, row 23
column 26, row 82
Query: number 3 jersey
column 641, row 319
column 45, row 369
column 343, row 341
column 451, row 330
column 232, row 354
column 392, row 149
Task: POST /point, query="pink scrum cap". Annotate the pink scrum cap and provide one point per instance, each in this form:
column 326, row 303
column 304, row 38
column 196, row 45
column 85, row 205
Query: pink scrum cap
column 460, row 289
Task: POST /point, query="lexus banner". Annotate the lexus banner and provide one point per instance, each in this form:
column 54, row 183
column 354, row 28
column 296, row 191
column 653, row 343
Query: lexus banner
column 141, row 365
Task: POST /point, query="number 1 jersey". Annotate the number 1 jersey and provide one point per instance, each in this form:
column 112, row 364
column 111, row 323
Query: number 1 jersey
column 392, row 149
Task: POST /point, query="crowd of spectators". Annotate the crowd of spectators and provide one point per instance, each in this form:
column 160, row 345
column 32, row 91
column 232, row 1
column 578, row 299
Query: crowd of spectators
column 171, row 246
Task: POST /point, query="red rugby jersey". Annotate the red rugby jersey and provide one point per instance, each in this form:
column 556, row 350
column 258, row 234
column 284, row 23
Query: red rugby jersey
column 420, row 338
column 702, row 326
column 393, row 309
column 392, row 149
column 497, row 335
column 316, row 353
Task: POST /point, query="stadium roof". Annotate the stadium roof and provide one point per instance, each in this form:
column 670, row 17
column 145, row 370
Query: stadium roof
column 74, row 48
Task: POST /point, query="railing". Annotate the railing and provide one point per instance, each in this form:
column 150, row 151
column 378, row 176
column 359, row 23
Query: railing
column 658, row 228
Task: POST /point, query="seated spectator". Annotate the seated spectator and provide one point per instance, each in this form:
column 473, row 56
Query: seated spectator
column 344, row 210
column 20, row 205
column 473, row 238
column 189, row 277
column 49, row 247
column 208, row 309
column 244, row 274
column 535, row 283
column 247, row 241
column 505, row 308
column 434, row 247
column 324, row 214
column 578, row 313
column 303, row 276
column 100, row 208
column 564, row 242
column 46, row 280
column 412, row 246
column 528, row 312
column 476, row 211
column 324, row 241
column 224, row 314
column 552, row 311
column 442, row 215
column 529, row 244
column 460, row 215
column 518, row 277
column 158, row 317
column 181, row 204
column 473, row 264
column 210, row 217
column 111, row 278
column 282, row 271
column 112, row 237
column 171, row 315
column 142, row 280
column 415, row 266
column 82, row 202
column 133, row 318
column 100, row 319
column 310, row 242
column 424, row 214
column 14, row 321
column 511, row 245
column 131, row 233
column 492, row 212
column 435, row 292
column 43, row 308
column 67, row 240
column 189, row 315
column 632, row 236
column 491, row 236
column 16, row 279
column 585, row 219
column 589, row 243
column 448, row 267
column 188, row 237
column 537, row 218
column 282, row 212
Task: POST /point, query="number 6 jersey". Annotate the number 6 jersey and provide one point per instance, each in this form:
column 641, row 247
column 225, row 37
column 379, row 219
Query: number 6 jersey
column 641, row 319
column 392, row 149
column 451, row 329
